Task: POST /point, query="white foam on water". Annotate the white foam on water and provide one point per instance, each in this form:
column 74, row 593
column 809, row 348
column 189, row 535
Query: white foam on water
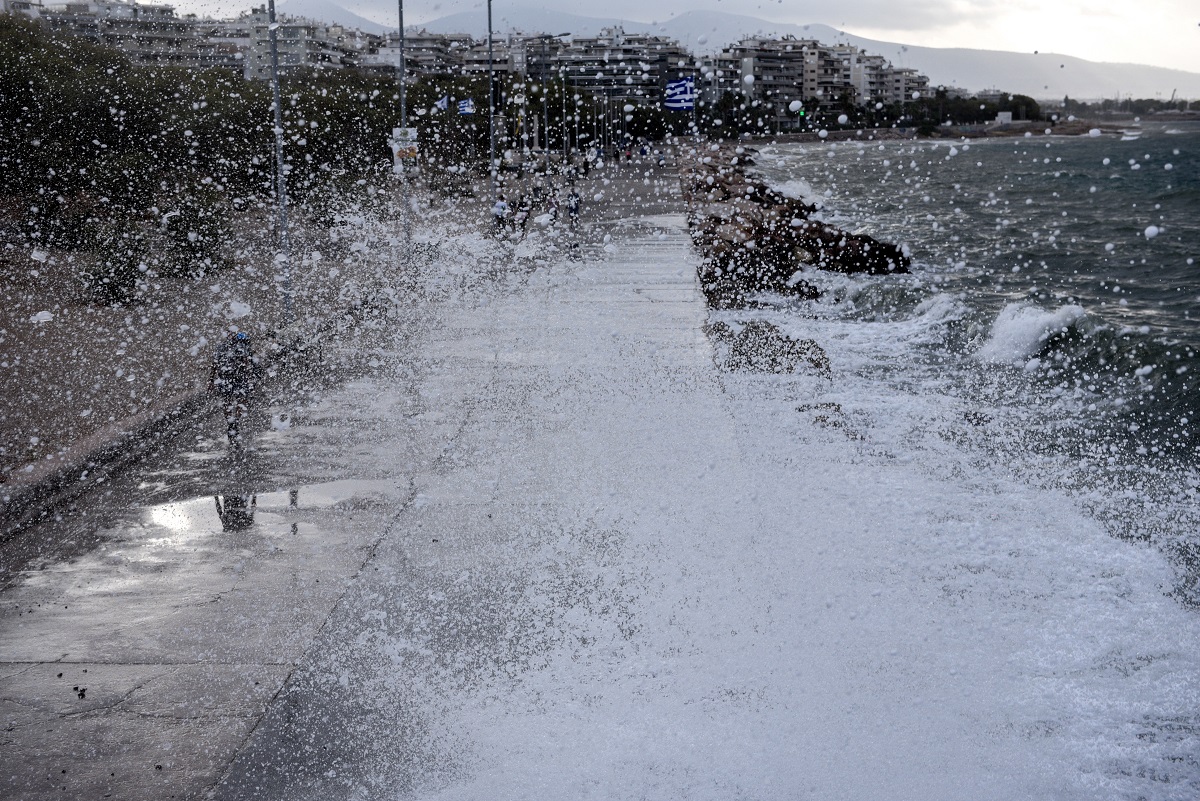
column 796, row 586
column 856, row 609
column 797, row 190
column 717, row 585
column 1021, row 329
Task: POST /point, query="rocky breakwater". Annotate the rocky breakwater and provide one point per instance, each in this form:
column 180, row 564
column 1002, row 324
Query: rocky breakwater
column 754, row 239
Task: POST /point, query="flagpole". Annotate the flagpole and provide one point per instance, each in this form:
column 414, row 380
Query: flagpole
column 695, row 105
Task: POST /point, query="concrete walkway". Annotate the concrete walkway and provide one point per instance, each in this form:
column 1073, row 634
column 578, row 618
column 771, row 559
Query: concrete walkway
column 536, row 545
column 142, row 644
column 547, row 404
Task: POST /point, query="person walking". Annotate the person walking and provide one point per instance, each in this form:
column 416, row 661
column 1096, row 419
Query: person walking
column 524, row 209
column 500, row 214
column 234, row 378
column 573, row 200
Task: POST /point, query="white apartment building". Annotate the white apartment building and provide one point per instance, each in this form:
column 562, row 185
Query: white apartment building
column 301, row 43
column 905, row 84
column 631, row 67
column 776, row 72
column 503, row 59
column 30, row 8
column 147, row 33
column 424, row 53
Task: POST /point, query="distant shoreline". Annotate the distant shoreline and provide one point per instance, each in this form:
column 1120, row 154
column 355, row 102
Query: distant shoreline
column 1107, row 127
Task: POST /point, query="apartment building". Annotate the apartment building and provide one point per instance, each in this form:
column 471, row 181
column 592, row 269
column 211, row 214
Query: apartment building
column 629, row 68
column 424, row 53
column 776, row 72
column 771, row 70
column 147, row 33
column 633, row 68
column 503, row 57
column 30, row 8
column 301, row 44
column 905, row 84
column 869, row 76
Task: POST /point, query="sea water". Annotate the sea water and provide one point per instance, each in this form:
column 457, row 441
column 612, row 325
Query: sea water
column 1053, row 298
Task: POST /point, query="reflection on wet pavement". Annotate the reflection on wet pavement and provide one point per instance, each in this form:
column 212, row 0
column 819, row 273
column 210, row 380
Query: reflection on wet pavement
column 147, row 623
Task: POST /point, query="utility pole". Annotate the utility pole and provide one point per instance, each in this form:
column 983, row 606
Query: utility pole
column 284, row 256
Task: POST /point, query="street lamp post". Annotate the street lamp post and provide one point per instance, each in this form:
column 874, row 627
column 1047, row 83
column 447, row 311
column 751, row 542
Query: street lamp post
column 565, row 138
column 491, row 103
column 545, row 105
column 546, row 37
column 575, row 120
column 284, row 255
column 403, row 124
column 403, row 75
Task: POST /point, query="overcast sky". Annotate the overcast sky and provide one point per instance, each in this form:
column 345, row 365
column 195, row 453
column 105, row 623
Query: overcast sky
column 1165, row 33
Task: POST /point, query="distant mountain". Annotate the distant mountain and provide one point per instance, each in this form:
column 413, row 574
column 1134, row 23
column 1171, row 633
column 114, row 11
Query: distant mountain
column 1040, row 75
column 332, row 14
column 1044, row 75
column 718, row 28
column 528, row 20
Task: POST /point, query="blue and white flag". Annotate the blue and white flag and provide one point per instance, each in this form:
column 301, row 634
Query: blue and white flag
column 443, row 104
column 466, row 106
column 681, row 95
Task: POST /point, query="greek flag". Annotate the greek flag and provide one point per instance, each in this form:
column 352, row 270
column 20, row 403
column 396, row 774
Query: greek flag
column 681, row 95
column 466, row 106
column 443, row 104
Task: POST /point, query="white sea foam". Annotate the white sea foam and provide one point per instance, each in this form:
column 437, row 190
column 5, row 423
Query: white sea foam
column 941, row 308
column 739, row 586
column 797, row 190
column 1021, row 328
column 839, row 603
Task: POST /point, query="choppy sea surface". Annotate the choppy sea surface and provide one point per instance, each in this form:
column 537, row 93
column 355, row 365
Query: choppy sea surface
column 1052, row 306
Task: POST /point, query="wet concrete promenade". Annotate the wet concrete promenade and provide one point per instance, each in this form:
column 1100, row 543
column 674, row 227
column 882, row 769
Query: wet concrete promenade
column 146, row 631
column 520, row 537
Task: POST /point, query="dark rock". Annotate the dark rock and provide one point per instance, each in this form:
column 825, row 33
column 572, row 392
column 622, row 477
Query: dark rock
column 830, row 248
column 760, row 347
column 754, row 239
